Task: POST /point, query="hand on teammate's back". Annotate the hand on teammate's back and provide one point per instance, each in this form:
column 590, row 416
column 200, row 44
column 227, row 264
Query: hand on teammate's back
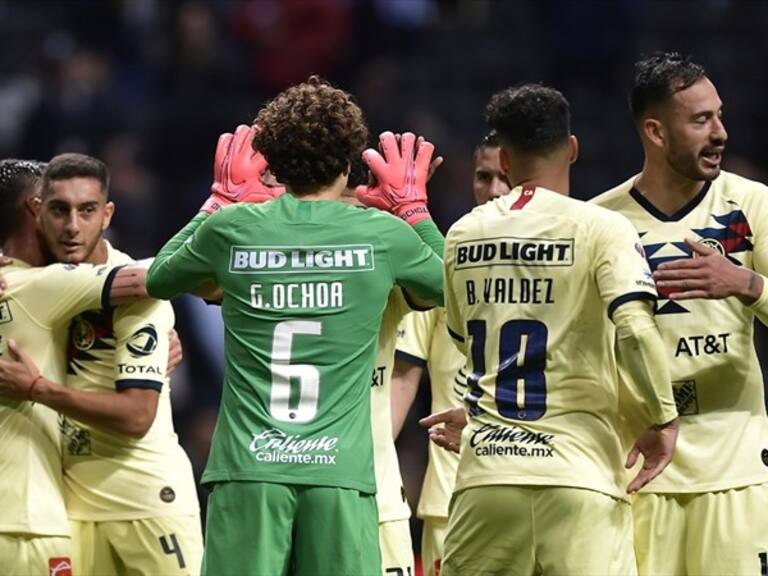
column 239, row 172
column 18, row 373
column 401, row 170
column 175, row 352
column 657, row 445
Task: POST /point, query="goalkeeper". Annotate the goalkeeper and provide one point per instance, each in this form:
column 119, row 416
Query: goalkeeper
column 305, row 280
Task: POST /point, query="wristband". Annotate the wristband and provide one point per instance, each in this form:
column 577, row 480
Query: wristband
column 32, row 386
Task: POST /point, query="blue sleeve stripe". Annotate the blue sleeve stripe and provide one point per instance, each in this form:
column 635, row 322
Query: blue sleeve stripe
column 411, row 359
column 628, row 297
column 454, row 335
column 121, row 385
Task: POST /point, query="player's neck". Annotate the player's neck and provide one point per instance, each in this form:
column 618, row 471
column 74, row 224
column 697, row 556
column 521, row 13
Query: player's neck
column 666, row 189
column 333, row 191
column 543, row 176
column 21, row 247
column 99, row 254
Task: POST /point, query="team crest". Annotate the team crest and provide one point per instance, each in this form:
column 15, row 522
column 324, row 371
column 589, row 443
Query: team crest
column 143, row 342
column 712, row 243
column 83, row 334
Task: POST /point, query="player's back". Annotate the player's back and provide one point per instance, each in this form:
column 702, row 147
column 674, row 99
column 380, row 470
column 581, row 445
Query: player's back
column 305, row 285
column 534, row 278
column 35, row 310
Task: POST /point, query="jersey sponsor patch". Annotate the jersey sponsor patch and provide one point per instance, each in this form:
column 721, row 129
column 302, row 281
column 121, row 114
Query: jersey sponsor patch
column 276, row 446
column 513, row 251
column 59, row 566
column 301, row 259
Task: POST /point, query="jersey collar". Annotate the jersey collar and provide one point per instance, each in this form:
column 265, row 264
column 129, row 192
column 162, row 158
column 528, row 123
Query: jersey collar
column 680, row 214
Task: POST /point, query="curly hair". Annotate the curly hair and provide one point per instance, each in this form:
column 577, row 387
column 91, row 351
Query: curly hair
column 310, row 133
column 659, row 76
column 18, row 181
column 532, row 118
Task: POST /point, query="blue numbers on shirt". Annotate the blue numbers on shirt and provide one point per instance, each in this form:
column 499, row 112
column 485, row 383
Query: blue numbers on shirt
column 522, row 358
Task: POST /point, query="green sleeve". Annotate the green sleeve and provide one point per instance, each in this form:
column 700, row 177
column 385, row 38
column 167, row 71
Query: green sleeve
column 416, row 266
column 182, row 265
column 431, row 236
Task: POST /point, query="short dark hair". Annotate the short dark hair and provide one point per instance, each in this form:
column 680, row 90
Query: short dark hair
column 18, row 181
column 659, row 76
column 490, row 140
column 71, row 165
column 531, row 118
column 310, row 133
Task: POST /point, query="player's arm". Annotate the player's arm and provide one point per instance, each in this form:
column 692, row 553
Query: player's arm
column 405, row 384
column 402, row 171
column 182, row 265
column 623, row 280
column 453, row 320
column 414, row 338
column 130, row 413
column 142, row 343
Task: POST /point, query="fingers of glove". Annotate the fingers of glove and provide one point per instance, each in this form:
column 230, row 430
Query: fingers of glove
column 243, row 138
column 407, row 142
column 222, row 149
column 377, row 164
column 423, row 160
column 389, row 148
column 371, row 197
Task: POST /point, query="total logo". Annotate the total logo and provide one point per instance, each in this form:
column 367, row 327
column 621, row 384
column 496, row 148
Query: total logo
column 61, row 566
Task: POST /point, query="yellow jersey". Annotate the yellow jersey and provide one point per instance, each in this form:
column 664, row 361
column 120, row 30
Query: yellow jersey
column 423, row 340
column 35, row 310
column 111, row 476
column 390, row 494
column 723, row 440
column 531, row 282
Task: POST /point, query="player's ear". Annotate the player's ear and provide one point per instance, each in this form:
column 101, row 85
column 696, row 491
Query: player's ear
column 34, row 204
column 653, row 131
column 573, row 154
column 109, row 210
column 504, row 160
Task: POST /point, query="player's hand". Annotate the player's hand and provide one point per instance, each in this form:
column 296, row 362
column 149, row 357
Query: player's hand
column 401, row 172
column 17, row 373
column 708, row 274
column 238, row 172
column 657, row 445
column 445, row 428
column 175, row 352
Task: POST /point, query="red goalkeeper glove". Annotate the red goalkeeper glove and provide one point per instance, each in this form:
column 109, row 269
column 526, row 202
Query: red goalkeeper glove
column 238, row 171
column 401, row 177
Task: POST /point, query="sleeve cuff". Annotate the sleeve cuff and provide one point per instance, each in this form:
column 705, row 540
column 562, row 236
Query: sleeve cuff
column 412, row 305
column 455, row 336
column 121, row 385
column 628, row 297
column 761, row 303
column 107, row 288
column 410, row 358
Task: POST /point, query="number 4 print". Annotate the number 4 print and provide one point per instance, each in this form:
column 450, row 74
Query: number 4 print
column 173, row 548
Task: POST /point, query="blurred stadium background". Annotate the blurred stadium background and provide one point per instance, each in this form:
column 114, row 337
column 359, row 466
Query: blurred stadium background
column 147, row 86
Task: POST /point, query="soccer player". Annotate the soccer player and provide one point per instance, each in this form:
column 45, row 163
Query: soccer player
column 305, row 280
column 35, row 310
column 129, row 487
column 705, row 236
column 534, row 282
column 423, row 342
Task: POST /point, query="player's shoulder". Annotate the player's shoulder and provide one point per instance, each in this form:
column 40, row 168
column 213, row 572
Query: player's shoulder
column 117, row 257
column 739, row 188
column 617, row 196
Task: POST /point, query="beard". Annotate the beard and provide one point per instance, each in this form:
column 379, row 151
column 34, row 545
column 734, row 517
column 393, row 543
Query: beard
column 688, row 164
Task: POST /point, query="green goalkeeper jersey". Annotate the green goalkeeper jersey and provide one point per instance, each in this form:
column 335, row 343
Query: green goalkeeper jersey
column 305, row 284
